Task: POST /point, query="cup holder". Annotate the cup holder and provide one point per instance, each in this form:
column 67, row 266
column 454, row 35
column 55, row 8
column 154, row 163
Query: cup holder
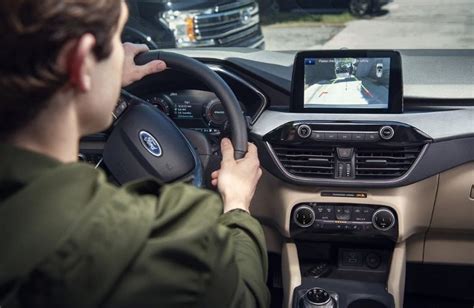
column 366, row 303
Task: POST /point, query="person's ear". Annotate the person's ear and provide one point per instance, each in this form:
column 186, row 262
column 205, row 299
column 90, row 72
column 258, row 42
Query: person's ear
column 79, row 60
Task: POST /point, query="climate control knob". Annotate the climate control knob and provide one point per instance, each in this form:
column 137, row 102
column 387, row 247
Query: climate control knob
column 304, row 216
column 383, row 219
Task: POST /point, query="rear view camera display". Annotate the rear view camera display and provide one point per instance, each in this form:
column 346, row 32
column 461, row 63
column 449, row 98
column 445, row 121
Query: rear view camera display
column 355, row 83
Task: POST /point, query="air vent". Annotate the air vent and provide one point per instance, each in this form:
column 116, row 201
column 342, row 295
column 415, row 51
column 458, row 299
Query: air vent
column 384, row 163
column 308, row 162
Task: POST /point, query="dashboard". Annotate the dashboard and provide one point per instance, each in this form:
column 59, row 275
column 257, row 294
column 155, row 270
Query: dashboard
column 384, row 187
column 304, row 148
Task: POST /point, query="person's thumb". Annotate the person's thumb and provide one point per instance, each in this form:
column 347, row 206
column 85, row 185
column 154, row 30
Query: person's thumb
column 227, row 151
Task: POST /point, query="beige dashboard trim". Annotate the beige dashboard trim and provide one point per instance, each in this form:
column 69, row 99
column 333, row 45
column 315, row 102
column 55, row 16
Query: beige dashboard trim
column 396, row 277
column 450, row 239
column 448, row 247
column 291, row 274
column 454, row 209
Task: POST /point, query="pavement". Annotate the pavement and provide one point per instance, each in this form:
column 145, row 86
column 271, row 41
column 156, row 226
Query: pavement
column 403, row 24
column 412, row 24
column 297, row 37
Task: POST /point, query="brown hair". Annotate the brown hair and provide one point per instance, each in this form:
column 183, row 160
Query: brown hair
column 32, row 33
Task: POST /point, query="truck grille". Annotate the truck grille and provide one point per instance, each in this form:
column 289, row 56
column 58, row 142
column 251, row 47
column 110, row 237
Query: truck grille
column 234, row 24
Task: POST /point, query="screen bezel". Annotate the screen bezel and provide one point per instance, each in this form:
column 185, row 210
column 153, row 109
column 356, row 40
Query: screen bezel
column 395, row 96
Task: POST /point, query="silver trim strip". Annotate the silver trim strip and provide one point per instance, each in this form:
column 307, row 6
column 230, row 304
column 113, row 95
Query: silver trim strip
column 258, row 43
column 343, row 131
column 230, row 6
column 339, row 181
column 264, row 104
column 253, row 10
column 99, row 163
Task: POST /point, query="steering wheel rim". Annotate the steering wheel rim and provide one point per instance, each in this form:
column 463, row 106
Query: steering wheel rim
column 146, row 143
column 237, row 122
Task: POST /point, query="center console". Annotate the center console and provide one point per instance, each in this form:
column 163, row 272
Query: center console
column 344, row 241
column 344, row 253
column 345, row 182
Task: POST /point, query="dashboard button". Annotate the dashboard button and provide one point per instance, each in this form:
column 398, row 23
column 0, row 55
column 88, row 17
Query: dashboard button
column 342, row 213
column 318, row 136
column 358, row 137
column 330, row 136
column 345, row 153
column 358, row 214
column 372, row 137
column 344, row 136
column 325, row 212
column 348, row 211
column 367, row 211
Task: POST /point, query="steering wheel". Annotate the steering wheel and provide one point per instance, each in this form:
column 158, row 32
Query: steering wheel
column 144, row 142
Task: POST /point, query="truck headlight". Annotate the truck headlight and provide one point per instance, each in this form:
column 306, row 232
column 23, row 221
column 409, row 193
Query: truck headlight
column 182, row 23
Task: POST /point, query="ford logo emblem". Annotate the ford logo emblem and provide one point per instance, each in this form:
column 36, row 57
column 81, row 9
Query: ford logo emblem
column 150, row 144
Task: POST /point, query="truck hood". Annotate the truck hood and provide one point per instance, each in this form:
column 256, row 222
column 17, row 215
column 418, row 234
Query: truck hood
column 182, row 5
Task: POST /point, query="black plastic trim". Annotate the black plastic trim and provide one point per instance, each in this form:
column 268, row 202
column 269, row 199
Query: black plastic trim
column 434, row 159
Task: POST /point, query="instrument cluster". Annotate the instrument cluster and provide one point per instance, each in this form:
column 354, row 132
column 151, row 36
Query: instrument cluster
column 192, row 109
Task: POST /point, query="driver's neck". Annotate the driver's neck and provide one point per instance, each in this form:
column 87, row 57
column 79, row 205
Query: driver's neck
column 54, row 133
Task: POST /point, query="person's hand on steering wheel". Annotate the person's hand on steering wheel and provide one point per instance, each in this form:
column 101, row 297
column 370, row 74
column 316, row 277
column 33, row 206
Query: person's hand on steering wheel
column 237, row 179
column 133, row 72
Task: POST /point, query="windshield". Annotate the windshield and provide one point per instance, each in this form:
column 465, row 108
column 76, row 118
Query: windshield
column 303, row 24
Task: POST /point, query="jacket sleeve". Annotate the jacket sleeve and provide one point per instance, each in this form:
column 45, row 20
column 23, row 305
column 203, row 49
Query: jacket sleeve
column 196, row 257
column 242, row 263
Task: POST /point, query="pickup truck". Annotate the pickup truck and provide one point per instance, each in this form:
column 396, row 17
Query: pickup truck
column 355, row 7
column 194, row 23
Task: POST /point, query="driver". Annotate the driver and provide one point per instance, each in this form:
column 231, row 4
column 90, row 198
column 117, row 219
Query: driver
column 68, row 238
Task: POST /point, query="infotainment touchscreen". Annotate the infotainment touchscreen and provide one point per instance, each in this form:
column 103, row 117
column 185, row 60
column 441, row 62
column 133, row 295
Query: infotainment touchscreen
column 343, row 81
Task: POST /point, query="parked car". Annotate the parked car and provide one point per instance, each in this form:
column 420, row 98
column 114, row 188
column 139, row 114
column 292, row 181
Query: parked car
column 194, row 23
column 356, row 7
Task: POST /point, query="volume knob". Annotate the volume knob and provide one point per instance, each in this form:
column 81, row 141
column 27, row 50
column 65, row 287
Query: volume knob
column 304, row 131
column 387, row 132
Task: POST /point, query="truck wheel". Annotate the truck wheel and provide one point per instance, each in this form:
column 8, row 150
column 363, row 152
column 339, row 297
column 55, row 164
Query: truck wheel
column 360, row 8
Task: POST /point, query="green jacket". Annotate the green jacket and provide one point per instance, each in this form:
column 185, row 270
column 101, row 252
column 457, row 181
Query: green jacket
column 68, row 238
